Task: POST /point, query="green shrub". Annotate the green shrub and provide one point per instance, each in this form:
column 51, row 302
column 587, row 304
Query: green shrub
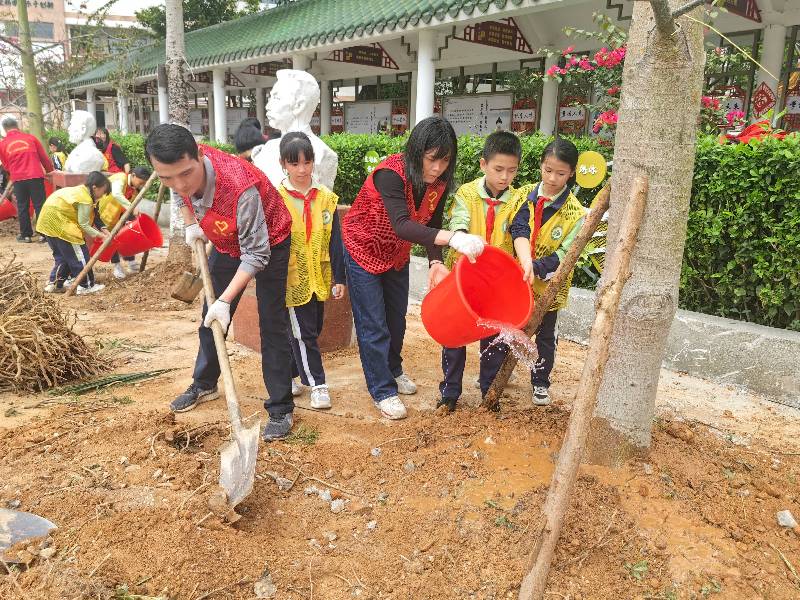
column 743, row 236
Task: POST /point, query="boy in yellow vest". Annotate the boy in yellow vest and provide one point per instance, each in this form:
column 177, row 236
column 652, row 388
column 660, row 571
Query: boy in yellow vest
column 483, row 207
column 548, row 219
column 124, row 187
column 66, row 221
column 315, row 261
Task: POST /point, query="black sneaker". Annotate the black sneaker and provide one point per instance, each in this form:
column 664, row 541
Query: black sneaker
column 450, row 403
column 24, row 239
column 193, row 396
column 277, row 428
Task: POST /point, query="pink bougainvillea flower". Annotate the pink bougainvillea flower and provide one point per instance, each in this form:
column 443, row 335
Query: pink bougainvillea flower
column 568, row 50
column 613, row 91
column 552, row 71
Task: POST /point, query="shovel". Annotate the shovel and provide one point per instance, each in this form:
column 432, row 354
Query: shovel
column 17, row 526
column 188, row 285
column 238, row 457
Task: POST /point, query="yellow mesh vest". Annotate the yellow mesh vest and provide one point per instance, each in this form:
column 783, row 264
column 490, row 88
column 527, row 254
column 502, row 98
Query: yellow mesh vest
column 550, row 236
column 109, row 209
column 504, row 213
column 310, row 262
column 59, row 215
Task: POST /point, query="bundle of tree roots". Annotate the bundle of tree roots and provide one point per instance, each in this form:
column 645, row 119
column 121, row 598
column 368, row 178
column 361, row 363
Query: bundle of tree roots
column 38, row 347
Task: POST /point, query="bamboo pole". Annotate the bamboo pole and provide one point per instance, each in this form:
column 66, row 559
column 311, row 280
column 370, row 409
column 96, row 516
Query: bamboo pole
column 615, row 274
column 590, row 224
column 162, row 191
column 120, row 224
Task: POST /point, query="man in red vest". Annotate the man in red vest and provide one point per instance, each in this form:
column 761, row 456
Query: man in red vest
column 26, row 161
column 230, row 202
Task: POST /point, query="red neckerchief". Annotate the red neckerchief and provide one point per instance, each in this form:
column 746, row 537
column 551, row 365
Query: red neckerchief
column 307, row 200
column 537, row 222
column 490, row 218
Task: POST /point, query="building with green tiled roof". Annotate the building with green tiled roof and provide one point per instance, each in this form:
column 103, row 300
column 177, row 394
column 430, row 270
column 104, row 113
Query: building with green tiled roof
column 379, row 62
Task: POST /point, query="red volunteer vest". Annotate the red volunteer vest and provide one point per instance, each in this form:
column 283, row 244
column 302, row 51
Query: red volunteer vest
column 113, row 167
column 234, row 176
column 367, row 231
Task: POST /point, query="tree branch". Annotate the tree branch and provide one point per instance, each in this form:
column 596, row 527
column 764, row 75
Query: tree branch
column 9, row 41
column 686, row 8
column 664, row 21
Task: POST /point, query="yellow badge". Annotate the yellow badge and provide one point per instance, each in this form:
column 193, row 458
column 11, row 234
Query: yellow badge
column 221, row 227
column 591, row 169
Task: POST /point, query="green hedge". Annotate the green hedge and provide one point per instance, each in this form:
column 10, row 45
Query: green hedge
column 743, row 239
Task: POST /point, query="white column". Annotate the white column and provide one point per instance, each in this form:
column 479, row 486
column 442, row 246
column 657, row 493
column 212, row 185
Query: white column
column 261, row 107
column 426, row 75
column 122, row 109
column 91, row 103
column 163, row 105
column 549, row 108
column 212, row 130
column 300, row 62
column 412, row 99
column 773, row 45
column 324, row 107
column 220, row 131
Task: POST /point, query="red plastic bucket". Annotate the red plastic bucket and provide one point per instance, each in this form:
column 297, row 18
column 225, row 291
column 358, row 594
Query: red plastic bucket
column 492, row 288
column 140, row 235
column 107, row 253
column 7, row 210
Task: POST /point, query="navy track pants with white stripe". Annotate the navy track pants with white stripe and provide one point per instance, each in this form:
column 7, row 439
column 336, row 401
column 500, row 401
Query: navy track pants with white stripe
column 305, row 327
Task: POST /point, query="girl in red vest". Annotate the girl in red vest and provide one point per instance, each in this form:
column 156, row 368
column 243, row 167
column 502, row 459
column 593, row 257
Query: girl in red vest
column 117, row 162
column 401, row 202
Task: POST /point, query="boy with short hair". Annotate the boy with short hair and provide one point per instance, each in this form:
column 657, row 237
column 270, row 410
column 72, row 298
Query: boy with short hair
column 483, row 207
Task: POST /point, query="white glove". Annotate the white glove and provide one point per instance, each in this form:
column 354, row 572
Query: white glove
column 467, row 244
column 194, row 232
column 219, row 311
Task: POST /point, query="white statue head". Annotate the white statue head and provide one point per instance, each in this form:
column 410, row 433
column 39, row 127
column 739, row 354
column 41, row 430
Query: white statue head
column 81, row 126
column 293, row 100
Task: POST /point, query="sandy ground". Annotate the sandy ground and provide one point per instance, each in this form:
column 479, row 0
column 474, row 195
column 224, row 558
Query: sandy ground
column 433, row 507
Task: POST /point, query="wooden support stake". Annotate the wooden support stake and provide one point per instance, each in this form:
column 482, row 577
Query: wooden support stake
column 615, row 275
column 565, row 267
column 120, row 224
column 162, row 191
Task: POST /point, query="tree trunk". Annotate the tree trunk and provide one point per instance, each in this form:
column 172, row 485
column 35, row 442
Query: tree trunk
column 179, row 251
column 34, row 109
column 659, row 108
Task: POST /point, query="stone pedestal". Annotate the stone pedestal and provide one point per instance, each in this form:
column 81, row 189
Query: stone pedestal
column 62, row 179
column 337, row 332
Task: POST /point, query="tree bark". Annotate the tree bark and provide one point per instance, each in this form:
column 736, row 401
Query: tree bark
column 179, row 251
column 35, row 125
column 659, row 108
column 565, row 267
column 615, row 274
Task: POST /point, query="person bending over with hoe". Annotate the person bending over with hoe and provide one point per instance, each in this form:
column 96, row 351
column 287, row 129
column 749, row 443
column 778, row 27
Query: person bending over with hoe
column 124, row 187
column 230, row 202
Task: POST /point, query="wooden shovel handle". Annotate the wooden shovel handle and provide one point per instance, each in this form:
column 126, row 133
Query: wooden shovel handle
column 231, row 397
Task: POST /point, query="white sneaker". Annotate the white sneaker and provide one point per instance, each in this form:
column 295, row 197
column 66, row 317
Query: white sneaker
column 477, row 383
column 320, row 398
column 297, row 388
column 405, row 386
column 95, row 288
column 541, row 397
column 392, row 408
column 133, row 266
column 50, row 288
column 119, row 272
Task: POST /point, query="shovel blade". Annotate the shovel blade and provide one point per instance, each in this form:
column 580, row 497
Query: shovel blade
column 17, row 526
column 187, row 287
column 238, row 463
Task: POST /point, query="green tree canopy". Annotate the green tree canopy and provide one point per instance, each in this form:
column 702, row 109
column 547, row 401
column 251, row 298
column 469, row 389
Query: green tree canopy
column 197, row 14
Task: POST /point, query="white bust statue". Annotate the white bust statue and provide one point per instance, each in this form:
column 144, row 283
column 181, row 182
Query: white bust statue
column 85, row 157
column 292, row 103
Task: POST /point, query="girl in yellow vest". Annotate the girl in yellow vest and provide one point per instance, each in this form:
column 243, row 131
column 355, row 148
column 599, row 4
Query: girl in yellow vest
column 124, row 187
column 548, row 220
column 483, row 207
column 315, row 261
column 66, row 221
column 57, row 154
